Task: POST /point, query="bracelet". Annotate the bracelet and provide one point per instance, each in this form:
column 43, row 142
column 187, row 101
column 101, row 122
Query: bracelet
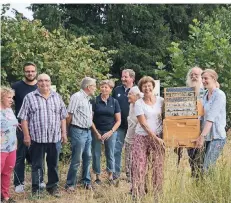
column 112, row 130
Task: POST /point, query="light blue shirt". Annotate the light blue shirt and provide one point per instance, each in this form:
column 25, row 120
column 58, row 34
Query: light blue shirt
column 8, row 130
column 215, row 111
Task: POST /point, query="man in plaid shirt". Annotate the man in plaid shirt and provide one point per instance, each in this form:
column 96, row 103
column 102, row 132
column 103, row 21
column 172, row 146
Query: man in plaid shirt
column 43, row 114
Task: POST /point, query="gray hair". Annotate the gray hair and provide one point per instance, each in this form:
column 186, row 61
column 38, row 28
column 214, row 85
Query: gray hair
column 110, row 83
column 87, row 81
column 136, row 91
column 131, row 73
column 42, row 75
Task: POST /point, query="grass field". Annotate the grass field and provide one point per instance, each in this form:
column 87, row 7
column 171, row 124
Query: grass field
column 179, row 187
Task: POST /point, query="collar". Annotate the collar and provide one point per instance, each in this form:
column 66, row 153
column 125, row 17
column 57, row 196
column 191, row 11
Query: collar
column 108, row 99
column 39, row 94
column 85, row 94
column 127, row 89
column 212, row 95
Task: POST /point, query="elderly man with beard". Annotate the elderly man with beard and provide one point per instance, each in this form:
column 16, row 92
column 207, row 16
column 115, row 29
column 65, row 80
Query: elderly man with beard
column 194, row 79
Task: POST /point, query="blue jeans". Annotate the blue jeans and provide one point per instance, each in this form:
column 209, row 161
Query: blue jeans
column 212, row 151
column 22, row 153
column 109, row 152
column 118, row 150
column 37, row 151
column 81, row 150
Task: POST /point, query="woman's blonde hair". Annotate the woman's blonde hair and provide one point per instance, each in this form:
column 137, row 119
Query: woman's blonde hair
column 110, row 83
column 212, row 73
column 6, row 91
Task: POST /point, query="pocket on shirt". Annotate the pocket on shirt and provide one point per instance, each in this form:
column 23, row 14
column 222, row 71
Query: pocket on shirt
column 34, row 109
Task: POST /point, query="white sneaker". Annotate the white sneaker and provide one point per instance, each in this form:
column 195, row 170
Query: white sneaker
column 19, row 189
column 42, row 185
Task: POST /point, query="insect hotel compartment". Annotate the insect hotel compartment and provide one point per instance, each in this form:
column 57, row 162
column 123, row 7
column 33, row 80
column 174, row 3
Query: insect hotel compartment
column 180, row 133
column 180, row 103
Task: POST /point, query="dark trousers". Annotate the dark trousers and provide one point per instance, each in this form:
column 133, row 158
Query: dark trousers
column 195, row 161
column 22, row 153
column 37, row 151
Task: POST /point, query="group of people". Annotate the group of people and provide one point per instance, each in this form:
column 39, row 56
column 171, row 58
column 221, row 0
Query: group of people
column 127, row 115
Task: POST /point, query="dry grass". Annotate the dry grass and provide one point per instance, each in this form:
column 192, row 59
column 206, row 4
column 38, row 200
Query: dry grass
column 179, row 187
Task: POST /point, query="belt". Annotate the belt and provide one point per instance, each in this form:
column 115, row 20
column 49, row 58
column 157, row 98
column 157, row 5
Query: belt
column 80, row 127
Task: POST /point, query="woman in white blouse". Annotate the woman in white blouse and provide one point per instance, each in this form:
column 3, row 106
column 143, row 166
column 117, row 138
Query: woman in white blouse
column 148, row 139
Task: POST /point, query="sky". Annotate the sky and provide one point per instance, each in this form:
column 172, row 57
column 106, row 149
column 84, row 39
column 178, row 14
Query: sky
column 21, row 8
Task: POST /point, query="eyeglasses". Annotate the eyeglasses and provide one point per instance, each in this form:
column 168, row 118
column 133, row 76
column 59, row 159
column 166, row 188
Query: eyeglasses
column 46, row 80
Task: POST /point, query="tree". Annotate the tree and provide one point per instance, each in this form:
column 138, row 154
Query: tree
column 208, row 46
column 139, row 32
column 180, row 16
column 64, row 57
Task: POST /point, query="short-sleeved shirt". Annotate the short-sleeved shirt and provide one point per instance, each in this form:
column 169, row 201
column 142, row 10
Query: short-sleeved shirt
column 8, row 130
column 132, row 122
column 121, row 94
column 21, row 90
column 44, row 116
column 81, row 109
column 215, row 111
column 104, row 113
column 153, row 115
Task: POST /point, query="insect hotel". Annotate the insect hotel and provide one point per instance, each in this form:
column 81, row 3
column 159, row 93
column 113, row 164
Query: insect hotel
column 182, row 110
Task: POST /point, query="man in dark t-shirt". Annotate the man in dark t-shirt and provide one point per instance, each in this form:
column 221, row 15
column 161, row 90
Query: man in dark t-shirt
column 22, row 88
column 120, row 93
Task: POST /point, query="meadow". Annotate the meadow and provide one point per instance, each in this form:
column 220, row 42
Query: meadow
column 178, row 186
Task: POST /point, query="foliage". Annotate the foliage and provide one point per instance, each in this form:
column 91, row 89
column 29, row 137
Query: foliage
column 64, row 57
column 208, row 46
column 139, row 32
column 180, row 16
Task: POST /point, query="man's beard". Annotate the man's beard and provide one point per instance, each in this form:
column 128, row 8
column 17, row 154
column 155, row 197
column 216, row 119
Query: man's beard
column 197, row 84
column 194, row 83
column 30, row 80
